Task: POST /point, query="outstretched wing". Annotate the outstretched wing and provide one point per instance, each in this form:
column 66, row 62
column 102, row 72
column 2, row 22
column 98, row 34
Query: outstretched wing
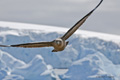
column 79, row 23
column 30, row 45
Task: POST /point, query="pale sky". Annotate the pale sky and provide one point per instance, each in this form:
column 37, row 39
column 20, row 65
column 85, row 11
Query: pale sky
column 64, row 13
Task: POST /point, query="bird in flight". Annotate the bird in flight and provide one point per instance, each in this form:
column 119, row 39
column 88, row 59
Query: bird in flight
column 58, row 44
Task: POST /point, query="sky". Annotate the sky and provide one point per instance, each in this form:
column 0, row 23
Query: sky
column 64, row 13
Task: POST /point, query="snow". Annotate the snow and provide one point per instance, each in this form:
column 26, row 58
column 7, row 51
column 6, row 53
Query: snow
column 88, row 56
column 108, row 37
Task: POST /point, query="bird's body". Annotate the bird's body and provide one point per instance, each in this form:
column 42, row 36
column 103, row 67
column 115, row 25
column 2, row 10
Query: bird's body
column 58, row 44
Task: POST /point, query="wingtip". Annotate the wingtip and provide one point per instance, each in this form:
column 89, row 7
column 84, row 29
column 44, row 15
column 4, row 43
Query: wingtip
column 5, row 46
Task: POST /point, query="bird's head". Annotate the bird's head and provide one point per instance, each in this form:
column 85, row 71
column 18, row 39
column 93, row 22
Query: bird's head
column 58, row 42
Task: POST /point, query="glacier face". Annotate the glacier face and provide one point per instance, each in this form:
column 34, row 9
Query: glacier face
column 93, row 67
column 12, row 68
column 91, row 57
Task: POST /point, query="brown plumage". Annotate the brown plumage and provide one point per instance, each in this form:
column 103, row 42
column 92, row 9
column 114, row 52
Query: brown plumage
column 59, row 44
